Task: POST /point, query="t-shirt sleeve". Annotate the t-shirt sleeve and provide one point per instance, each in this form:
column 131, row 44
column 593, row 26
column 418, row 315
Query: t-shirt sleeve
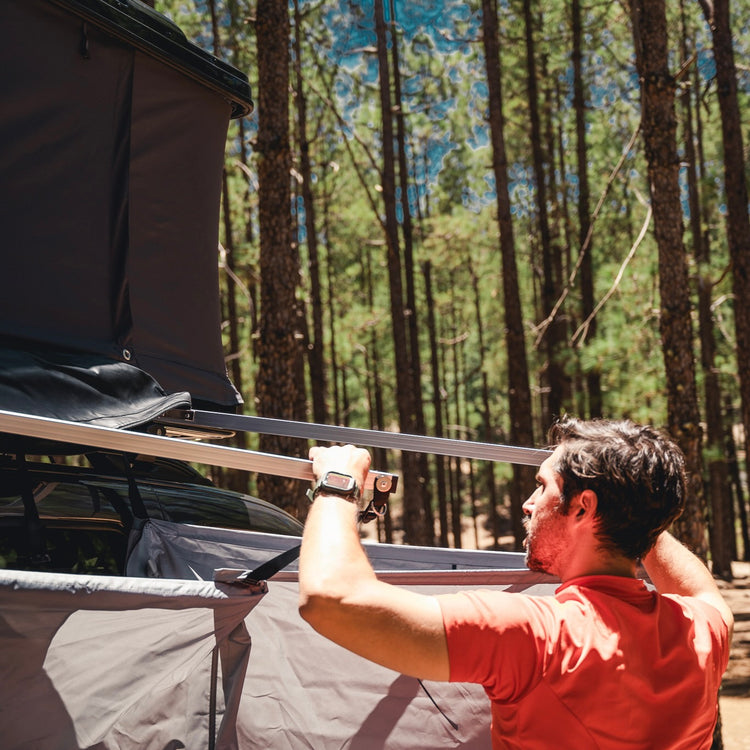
column 497, row 639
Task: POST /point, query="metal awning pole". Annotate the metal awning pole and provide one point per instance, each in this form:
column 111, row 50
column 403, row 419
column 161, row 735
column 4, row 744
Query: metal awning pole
column 167, row 447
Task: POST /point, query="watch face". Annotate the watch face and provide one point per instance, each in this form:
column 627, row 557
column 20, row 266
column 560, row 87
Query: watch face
column 339, row 482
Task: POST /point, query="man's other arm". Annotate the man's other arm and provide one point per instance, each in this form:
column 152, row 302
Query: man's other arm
column 675, row 570
column 341, row 597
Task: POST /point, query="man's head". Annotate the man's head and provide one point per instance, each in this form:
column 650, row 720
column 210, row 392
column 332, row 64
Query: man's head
column 637, row 474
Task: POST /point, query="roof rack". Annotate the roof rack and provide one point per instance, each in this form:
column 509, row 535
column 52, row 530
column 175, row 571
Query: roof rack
column 191, row 422
column 179, row 420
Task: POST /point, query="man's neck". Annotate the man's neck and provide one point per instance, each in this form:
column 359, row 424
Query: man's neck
column 599, row 564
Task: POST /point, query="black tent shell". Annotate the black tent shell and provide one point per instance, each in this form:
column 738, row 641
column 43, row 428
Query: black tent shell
column 112, row 135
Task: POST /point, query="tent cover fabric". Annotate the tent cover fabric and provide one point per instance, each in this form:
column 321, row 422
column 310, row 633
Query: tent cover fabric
column 82, row 387
column 135, row 662
column 112, row 135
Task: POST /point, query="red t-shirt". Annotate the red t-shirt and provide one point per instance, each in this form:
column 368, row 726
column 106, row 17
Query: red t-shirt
column 605, row 663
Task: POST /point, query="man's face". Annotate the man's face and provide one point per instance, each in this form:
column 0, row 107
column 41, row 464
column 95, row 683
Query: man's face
column 547, row 536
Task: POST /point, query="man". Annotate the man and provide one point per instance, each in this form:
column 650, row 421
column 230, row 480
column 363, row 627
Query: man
column 605, row 663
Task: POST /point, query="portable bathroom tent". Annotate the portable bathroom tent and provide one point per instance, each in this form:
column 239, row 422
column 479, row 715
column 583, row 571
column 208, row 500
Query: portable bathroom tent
column 112, row 135
column 129, row 663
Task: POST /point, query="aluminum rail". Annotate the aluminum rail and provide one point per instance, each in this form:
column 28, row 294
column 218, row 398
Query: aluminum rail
column 369, row 438
column 167, row 447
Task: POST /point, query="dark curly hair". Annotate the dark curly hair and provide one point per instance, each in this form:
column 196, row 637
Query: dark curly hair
column 637, row 473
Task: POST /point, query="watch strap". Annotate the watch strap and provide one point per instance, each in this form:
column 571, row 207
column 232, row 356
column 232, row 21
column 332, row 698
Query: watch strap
column 322, row 486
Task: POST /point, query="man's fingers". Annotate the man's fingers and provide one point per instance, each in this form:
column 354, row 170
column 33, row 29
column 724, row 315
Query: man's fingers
column 345, row 458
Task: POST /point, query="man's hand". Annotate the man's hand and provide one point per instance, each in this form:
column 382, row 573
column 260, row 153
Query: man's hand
column 342, row 458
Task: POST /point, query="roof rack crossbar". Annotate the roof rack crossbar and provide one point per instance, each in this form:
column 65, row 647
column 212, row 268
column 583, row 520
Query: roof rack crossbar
column 369, row 438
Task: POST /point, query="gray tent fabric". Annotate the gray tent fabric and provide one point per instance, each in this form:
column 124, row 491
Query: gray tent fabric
column 101, row 662
column 110, row 171
column 301, row 690
column 171, row 550
column 166, row 662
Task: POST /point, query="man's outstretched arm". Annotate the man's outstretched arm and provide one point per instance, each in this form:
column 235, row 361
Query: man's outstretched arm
column 673, row 569
column 341, row 597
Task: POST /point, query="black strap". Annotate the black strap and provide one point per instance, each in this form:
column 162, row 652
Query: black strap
column 35, row 544
column 134, row 495
column 269, row 568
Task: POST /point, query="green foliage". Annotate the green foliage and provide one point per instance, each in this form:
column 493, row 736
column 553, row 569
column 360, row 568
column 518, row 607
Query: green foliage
column 452, row 199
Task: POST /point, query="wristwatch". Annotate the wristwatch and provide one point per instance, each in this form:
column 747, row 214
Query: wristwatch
column 336, row 483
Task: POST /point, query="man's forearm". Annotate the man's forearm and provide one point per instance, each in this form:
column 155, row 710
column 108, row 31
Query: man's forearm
column 342, row 598
column 332, row 560
column 673, row 569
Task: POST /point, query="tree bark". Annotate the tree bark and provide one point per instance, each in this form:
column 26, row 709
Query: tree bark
column 318, row 390
column 489, row 470
column 279, row 354
column 436, row 404
column 519, row 393
column 718, row 485
column 409, row 276
column 738, row 222
column 659, row 135
column 231, row 478
column 557, row 382
column 413, row 510
column 585, row 244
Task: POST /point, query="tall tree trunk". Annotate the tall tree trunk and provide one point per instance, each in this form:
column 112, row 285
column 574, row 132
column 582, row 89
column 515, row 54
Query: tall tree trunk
column 318, row 389
column 558, row 386
column 409, row 275
column 414, row 522
column 593, row 379
column 494, row 516
column 251, row 275
column 333, row 348
column 436, row 404
column 733, row 468
column 377, row 411
column 232, row 478
column 457, row 495
column 720, row 498
column 659, row 135
column 279, row 352
column 738, row 222
column 519, row 393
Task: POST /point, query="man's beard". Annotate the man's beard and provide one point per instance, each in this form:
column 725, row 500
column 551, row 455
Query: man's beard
column 544, row 543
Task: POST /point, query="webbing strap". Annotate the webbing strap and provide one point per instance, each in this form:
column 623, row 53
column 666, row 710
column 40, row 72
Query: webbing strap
column 269, row 568
column 36, row 547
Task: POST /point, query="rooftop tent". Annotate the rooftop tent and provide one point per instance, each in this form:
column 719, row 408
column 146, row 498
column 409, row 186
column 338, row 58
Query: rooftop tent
column 112, row 135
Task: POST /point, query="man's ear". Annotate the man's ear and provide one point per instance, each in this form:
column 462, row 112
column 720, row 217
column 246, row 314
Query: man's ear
column 585, row 505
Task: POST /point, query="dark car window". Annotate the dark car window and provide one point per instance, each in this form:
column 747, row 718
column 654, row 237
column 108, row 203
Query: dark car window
column 84, row 523
column 85, row 515
column 209, row 506
column 76, row 496
column 91, row 550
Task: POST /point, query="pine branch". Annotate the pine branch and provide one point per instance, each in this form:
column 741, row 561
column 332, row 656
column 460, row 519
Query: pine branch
column 542, row 327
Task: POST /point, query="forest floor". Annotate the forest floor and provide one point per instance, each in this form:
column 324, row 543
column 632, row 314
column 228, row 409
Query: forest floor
column 734, row 699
